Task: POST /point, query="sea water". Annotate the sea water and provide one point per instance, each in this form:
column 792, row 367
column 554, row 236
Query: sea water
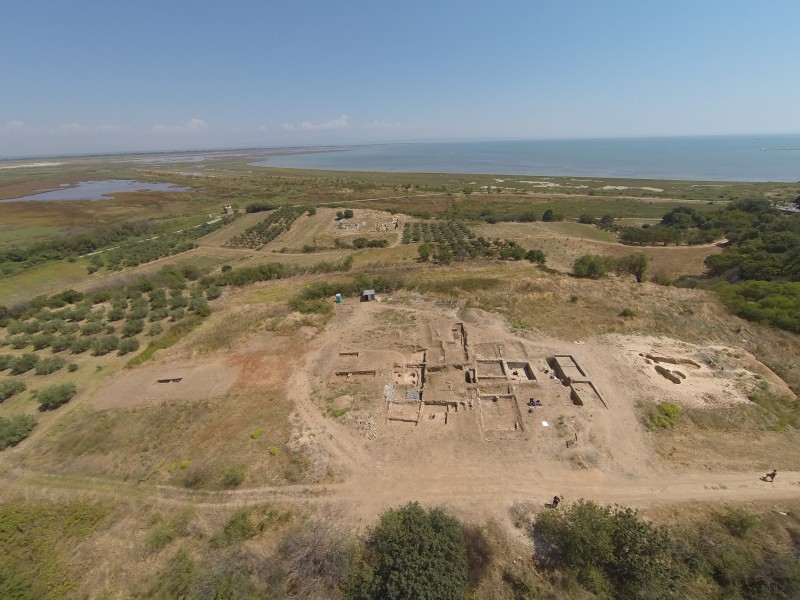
column 708, row 158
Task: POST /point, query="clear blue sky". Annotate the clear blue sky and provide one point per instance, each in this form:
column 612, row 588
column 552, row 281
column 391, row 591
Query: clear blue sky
column 89, row 76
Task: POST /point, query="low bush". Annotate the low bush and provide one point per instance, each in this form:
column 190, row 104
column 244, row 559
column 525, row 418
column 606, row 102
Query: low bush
column 132, row 327
column 81, row 344
column 23, row 364
column 62, row 342
column 104, row 344
column 663, row 416
column 590, row 266
column 52, row 397
column 9, row 387
column 238, row 528
column 128, row 345
column 15, row 429
column 49, row 365
column 165, row 531
column 234, row 476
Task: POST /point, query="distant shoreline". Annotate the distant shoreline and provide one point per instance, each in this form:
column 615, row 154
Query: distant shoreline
column 735, row 159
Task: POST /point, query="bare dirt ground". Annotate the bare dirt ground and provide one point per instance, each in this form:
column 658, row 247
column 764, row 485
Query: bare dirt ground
column 478, row 459
column 175, row 381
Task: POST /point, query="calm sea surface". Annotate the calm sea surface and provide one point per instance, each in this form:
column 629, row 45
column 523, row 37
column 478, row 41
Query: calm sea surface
column 717, row 158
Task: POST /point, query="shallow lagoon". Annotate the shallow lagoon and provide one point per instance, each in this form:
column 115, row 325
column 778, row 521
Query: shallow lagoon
column 99, row 190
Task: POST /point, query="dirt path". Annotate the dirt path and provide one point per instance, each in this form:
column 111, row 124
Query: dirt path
column 475, row 495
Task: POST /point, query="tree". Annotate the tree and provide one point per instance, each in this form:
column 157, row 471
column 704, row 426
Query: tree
column 590, row 266
column 633, row 264
column 55, row 395
column 548, row 216
column 606, row 222
column 15, row 429
column 608, row 549
column 586, row 219
column 424, row 252
column 413, row 553
column 348, row 213
column 535, row 256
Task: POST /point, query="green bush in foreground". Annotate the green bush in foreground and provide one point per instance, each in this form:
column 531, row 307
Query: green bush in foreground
column 15, row 429
column 609, row 550
column 54, row 396
column 9, row 387
column 413, row 553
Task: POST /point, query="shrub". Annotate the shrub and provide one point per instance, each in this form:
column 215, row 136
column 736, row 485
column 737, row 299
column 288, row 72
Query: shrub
column 627, row 313
column 18, row 342
column 535, row 256
column 9, row 387
column 15, row 429
column 159, row 314
column 413, row 553
column 590, row 266
column 61, row 343
column 664, row 415
column 41, row 341
column 72, row 367
column 128, row 345
column 55, row 395
column 234, row 476
column 81, row 344
column 92, row 328
column 49, row 365
column 5, row 361
column 116, row 314
column 738, row 522
column 131, row 328
column 104, row 344
column 23, row 364
column 165, row 531
column 213, row 292
column 137, row 312
column 609, row 550
column 586, row 219
column 238, row 528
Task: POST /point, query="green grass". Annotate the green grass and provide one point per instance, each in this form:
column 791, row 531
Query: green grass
column 23, row 235
column 37, row 546
column 43, row 279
